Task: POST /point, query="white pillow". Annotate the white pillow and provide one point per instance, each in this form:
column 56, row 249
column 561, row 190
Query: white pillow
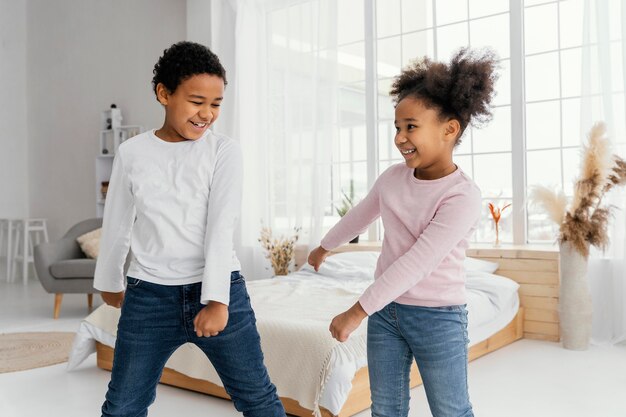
column 359, row 265
column 362, row 264
column 473, row 264
column 499, row 289
column 90, row 243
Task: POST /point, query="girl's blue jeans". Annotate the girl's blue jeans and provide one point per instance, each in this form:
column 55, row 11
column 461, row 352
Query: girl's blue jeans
column 436, row 337
column 157, row 319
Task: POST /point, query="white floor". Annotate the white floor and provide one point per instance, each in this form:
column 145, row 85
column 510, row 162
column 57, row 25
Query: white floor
column 527, row 378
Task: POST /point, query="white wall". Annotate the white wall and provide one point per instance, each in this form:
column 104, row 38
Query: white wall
column 82, row 56
column 13, row 119
column 198, row 21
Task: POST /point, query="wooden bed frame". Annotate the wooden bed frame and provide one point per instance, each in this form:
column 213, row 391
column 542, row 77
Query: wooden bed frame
column 535, row 269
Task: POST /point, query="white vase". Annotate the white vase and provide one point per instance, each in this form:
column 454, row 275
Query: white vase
column 575, row 307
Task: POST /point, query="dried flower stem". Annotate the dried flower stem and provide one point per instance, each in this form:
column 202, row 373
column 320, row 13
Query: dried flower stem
column 280, row 251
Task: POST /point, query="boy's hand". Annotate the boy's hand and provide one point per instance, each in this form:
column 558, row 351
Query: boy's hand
column 114, row 299
column 344, row 324
column 211, row 319
column 317, row 257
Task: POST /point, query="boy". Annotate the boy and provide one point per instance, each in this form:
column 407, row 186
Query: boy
column 174, row 199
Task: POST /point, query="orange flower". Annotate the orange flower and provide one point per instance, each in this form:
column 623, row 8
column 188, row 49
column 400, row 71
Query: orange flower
column 496, row 212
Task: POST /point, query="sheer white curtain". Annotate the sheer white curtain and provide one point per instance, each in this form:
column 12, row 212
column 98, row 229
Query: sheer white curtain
column 603, row 79
column 284, row 87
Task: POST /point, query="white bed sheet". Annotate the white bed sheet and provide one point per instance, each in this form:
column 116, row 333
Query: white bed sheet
column 492, row 304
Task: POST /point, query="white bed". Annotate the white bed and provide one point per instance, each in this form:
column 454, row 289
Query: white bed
column 293, row 314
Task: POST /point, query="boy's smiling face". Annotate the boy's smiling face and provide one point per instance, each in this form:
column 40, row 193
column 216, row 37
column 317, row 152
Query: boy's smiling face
column 192, row 108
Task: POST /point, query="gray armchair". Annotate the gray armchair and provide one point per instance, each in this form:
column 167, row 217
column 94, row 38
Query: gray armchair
column 63, row 268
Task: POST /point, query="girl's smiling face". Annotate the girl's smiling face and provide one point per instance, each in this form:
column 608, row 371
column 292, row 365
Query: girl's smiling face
column 192, row 108
column 424, row 140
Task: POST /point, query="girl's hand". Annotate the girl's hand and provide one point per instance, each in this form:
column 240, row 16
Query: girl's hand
column 114, row 299
column 344, row 324
column 211, row 320
column 317, row 257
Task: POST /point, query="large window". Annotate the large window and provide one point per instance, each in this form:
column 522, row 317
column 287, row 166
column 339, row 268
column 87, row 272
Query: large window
column 349, row 162
column 535, row 134
column 556, row 88
column 406, row 30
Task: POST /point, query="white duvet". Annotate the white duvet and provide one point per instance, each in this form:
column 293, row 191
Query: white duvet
column 293, row 314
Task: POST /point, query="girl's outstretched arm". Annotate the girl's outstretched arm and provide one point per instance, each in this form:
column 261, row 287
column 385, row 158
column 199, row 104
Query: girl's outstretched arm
column 355, row 222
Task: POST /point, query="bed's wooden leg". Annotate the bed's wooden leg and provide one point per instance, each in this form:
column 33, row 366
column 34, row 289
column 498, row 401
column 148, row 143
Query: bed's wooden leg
column 90, row 301
column 520, row 324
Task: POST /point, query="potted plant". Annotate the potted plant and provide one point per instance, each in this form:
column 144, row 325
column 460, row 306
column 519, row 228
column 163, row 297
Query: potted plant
column 347, row 203
column 582, row 225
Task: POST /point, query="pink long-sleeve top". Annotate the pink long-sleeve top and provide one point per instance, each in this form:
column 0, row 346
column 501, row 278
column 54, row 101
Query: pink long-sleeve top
column 428, row 224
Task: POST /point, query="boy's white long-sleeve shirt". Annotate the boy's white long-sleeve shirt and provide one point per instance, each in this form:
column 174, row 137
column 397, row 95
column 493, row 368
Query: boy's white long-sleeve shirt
column 175, row 205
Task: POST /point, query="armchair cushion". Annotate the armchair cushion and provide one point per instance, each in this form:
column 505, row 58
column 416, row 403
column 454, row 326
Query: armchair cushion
column 73, row 268
column 90, row 243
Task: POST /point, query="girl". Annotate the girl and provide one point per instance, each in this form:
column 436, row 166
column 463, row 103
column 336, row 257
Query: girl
column 429, row 208
column 174, row 200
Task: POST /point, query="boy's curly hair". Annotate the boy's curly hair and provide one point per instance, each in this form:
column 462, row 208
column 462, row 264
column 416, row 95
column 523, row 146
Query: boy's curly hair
column 460, row 90
column 182, row 60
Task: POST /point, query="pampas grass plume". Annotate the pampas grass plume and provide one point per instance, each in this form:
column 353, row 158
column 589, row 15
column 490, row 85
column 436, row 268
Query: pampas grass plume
column 585, row 222
column 553, row 202
column 596, row 168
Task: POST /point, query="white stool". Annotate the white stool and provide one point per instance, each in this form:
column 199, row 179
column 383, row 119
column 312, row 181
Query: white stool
column 8, row 228
column 23, row 249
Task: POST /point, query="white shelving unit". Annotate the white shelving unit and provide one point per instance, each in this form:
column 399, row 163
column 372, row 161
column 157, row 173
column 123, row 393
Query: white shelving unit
column 113, row 133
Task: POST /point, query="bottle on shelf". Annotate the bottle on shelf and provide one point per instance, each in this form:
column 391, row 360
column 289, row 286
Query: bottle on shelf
column 112, row 134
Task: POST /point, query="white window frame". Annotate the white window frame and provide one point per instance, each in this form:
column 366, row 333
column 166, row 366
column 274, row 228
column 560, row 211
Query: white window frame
column 518, row 122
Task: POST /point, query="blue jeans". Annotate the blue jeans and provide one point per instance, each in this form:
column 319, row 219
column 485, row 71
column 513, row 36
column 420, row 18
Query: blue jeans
column 437, row 338
column 157, row 319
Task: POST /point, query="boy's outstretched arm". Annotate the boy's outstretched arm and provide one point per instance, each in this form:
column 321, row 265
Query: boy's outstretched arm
column 114, row 299
column 117, row 225
column 223, row 214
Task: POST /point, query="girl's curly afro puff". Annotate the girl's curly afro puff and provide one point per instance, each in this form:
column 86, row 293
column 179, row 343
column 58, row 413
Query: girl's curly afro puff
column 461, row 90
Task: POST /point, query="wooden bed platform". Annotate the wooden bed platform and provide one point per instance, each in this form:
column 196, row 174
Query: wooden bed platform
column 535, row 269
column 359, row 398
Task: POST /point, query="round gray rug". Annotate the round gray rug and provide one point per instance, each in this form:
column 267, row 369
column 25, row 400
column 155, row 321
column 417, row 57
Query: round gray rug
column 21, row 351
